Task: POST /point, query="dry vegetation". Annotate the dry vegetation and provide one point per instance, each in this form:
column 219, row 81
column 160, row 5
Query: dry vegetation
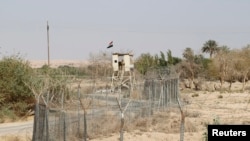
column 18, row 137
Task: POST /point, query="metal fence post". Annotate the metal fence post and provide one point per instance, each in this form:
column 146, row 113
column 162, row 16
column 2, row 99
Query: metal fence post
column 78, row 108
column 64, row 126
column 35, row 126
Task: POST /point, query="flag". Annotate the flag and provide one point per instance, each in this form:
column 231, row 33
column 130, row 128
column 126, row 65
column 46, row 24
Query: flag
column 110, row 44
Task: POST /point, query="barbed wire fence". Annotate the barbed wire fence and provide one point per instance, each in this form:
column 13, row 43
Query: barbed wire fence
column 89, row 115
column 64, row 120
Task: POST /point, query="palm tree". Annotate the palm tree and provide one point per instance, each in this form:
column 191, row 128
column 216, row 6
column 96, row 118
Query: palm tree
column 210, row 47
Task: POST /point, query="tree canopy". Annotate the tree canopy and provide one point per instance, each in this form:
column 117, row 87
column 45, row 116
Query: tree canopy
column 211, row 47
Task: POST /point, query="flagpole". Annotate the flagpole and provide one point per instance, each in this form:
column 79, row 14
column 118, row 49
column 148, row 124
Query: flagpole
column 48, row 43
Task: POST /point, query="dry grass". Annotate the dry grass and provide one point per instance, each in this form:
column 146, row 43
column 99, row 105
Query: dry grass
column 103, row 126
column 22, row 137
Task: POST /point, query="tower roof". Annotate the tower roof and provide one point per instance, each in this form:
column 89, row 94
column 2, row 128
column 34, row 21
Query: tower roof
column 122, row 54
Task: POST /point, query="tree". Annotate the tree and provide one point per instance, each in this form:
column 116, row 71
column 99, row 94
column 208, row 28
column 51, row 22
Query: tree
column 170, row 57
column 224, row 49
column 220, row 66
column 188, row 54
column 210, row 47
column 172, row 60
column 156, row 60
column 242, row 64
column 14, row 94
column 190, row 66
column 162, row 60
column 144, row 62
column 176, row 60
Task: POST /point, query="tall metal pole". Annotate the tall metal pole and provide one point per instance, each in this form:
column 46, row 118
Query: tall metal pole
column 48, row 43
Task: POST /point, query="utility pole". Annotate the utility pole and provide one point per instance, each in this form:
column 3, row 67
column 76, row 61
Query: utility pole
column 48, row 43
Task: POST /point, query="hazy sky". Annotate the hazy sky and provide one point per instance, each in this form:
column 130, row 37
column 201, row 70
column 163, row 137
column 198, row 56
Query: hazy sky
column 81, row 27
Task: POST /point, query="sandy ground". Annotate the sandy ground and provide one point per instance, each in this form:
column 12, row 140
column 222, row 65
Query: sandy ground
column 150, row 136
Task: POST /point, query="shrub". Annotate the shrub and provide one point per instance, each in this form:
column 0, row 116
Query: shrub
column 7, row 113
column 14, row 72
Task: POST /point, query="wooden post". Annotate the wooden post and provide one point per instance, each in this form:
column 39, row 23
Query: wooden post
column 85, row 107
column 47, row 117
column 48, row 43
column 122, row 117
column 64, row 126
column 78, row 92
column 182, row 127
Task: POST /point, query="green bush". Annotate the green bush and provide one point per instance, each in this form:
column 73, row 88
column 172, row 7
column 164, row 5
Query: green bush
column 14, row 72
column 18, row 81
column 5, row 112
